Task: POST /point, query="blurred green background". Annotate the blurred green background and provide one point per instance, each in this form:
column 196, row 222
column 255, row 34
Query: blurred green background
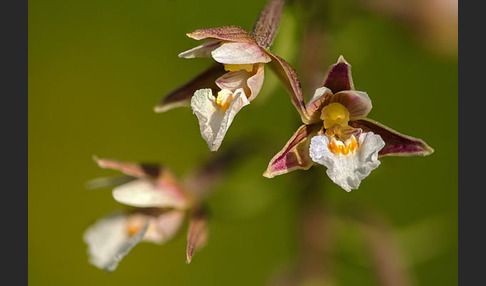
column 97, row 69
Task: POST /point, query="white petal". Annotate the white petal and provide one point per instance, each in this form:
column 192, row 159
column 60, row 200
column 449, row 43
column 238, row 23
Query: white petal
column 348, row 171
column 233, row 80
column 240, row 53
column 243, row 79
column 202, row 51
column 255, row 82
column 318, row 93
column 108, row 241
column 141, row 193
column 214, row 121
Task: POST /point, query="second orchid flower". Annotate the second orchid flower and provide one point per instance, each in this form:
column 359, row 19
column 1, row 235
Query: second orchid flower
column 337, row 134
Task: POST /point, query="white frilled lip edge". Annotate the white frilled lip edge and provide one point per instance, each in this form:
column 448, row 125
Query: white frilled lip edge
column 348, row 170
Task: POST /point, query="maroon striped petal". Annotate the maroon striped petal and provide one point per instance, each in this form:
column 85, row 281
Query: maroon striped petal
column 181, row 96
column 290, row 79
column 338, row 76
column 295, row 154
column 396, row 144
column 226, row 33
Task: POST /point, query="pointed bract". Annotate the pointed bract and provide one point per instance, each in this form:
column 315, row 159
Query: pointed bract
column 266, row 27
column 197, row 234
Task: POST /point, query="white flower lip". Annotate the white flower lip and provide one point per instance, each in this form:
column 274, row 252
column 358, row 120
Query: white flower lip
column 111, row 238
column 348, row 171
column 108, row 241
column 214, row 121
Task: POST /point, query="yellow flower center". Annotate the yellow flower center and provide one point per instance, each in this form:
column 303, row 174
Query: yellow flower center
column 231, row 68
column 224, row 99
column 335, row 114
column 134, row 224
column 344, row 148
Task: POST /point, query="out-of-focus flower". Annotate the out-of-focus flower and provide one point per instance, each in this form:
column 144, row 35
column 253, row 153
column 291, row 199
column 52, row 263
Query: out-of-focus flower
column 220, row 92
column 112, row 237
column 337, row 134
column 161, row 204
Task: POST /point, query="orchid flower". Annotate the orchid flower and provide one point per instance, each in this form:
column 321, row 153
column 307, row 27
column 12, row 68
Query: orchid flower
column 337, row 134
column 114, row 236
column 221, row 91
column 161, row 204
